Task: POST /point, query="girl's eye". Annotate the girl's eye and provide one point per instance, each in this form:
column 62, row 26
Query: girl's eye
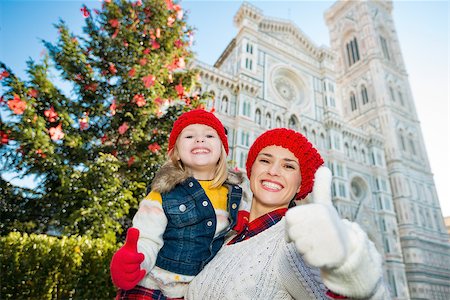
column 209, row 136
column 264, row 161
column 188, row 137
column 289, row 167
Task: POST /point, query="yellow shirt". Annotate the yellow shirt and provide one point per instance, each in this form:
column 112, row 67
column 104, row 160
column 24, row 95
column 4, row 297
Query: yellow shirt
column 151, row 222
column 217, row 196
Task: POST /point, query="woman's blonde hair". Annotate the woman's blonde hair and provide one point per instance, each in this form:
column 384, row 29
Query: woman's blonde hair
column 220, row 173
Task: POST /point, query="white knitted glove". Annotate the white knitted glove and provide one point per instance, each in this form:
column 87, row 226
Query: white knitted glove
column 316, row 229
column 348, row 260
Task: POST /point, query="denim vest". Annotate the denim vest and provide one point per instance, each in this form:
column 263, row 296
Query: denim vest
column 189, row 242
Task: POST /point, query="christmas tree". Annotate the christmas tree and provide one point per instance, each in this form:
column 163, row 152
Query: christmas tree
column 93, row 149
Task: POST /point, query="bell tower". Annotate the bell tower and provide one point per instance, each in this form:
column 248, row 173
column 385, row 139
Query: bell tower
column 375, row 96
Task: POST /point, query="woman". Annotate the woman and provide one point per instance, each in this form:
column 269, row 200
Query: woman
column 307, row 252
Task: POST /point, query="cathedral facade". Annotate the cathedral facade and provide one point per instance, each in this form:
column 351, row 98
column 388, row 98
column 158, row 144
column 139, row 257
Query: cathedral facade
column 354, row 103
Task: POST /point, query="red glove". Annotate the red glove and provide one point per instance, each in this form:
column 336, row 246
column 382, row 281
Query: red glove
column 126, row 263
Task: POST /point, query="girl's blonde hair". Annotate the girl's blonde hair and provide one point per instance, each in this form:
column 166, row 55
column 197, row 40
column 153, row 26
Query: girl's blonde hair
column 220, row 173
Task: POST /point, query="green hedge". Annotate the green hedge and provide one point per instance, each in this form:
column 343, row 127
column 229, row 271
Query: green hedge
column 45, row 267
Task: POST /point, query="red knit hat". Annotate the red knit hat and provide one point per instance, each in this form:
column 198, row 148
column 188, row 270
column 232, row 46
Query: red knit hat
column 308, row 157
column 197, row 116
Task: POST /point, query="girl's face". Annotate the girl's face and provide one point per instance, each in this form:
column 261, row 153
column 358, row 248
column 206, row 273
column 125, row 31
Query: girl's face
column 199, row 148
column 275, row 179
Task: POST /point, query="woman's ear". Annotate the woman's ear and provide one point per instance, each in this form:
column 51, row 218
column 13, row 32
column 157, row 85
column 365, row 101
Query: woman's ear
column 300, row 185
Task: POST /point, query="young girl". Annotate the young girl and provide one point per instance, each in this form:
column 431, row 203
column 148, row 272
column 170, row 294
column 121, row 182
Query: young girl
column 181, row 223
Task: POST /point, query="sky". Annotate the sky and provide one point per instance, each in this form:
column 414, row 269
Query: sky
column 422, row 28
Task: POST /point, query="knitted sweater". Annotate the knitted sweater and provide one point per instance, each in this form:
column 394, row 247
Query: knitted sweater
column 262, row 267
column 266, row 267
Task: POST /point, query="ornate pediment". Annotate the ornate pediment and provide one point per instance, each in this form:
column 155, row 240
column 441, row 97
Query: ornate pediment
column 290, row 34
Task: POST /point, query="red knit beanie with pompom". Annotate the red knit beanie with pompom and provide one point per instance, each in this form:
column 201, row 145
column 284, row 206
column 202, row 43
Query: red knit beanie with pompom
column 197, row 116
column 308, row 157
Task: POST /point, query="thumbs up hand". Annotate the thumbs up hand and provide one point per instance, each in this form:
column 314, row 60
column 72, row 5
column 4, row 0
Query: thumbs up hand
column 316, row 229
column 349, row 262
column 125, row 265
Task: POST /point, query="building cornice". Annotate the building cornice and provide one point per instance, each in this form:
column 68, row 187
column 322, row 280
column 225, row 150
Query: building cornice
column 223, row 79
column 272, row 25
column 228, row 50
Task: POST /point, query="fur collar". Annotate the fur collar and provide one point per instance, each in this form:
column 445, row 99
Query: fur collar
column 168, row 176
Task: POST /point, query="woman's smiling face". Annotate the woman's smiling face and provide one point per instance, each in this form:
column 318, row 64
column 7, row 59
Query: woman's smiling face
column 275, row 178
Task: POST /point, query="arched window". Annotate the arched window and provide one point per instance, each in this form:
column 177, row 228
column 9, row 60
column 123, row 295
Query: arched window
column 248, row 63
column 242, row 160
column 258, row 116
column 402, row 140
column 322, row 141
column 246, row 108
column 278, row 122
column 268, row 120
column 314, row 137
column 352, row 52
column 412, row 145
column 245, row 138
column 347, row 150
column 212, row 103
column 400, row 97
column 249, row 48
column 384, row 48
column 293, row 123
column 353, row 101
column 387, row 247
column 391, row 91
column 224, row 104
column 364, row 96
column 332, row 102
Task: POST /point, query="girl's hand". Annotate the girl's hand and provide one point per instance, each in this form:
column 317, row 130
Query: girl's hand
column 125, row 265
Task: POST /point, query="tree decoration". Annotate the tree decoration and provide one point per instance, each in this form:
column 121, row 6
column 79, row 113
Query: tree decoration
column 51, row 114
column 56, row 133
column 17, row 105
column 4, row 137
